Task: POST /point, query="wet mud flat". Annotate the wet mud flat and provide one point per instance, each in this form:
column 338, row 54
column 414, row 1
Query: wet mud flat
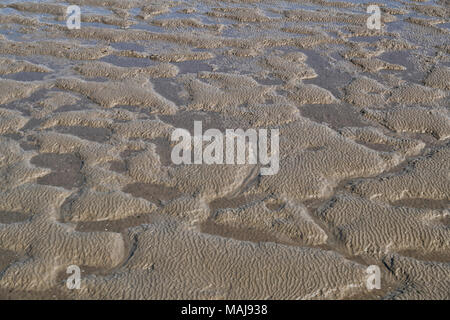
column 86, row 176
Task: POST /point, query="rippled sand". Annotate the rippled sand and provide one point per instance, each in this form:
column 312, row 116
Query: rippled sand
column 86, row 176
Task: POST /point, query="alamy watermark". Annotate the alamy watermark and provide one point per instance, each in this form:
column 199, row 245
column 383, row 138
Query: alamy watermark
column 74, row 281
column 374, row 20
column 73, row 14
column 374, row 277
column 251, row 147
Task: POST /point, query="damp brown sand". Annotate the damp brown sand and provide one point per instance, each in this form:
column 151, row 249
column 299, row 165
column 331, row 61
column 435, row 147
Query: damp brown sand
column 85, row 153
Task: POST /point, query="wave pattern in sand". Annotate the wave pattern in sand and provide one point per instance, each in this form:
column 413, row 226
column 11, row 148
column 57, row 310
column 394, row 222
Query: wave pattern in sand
column 86, row 176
